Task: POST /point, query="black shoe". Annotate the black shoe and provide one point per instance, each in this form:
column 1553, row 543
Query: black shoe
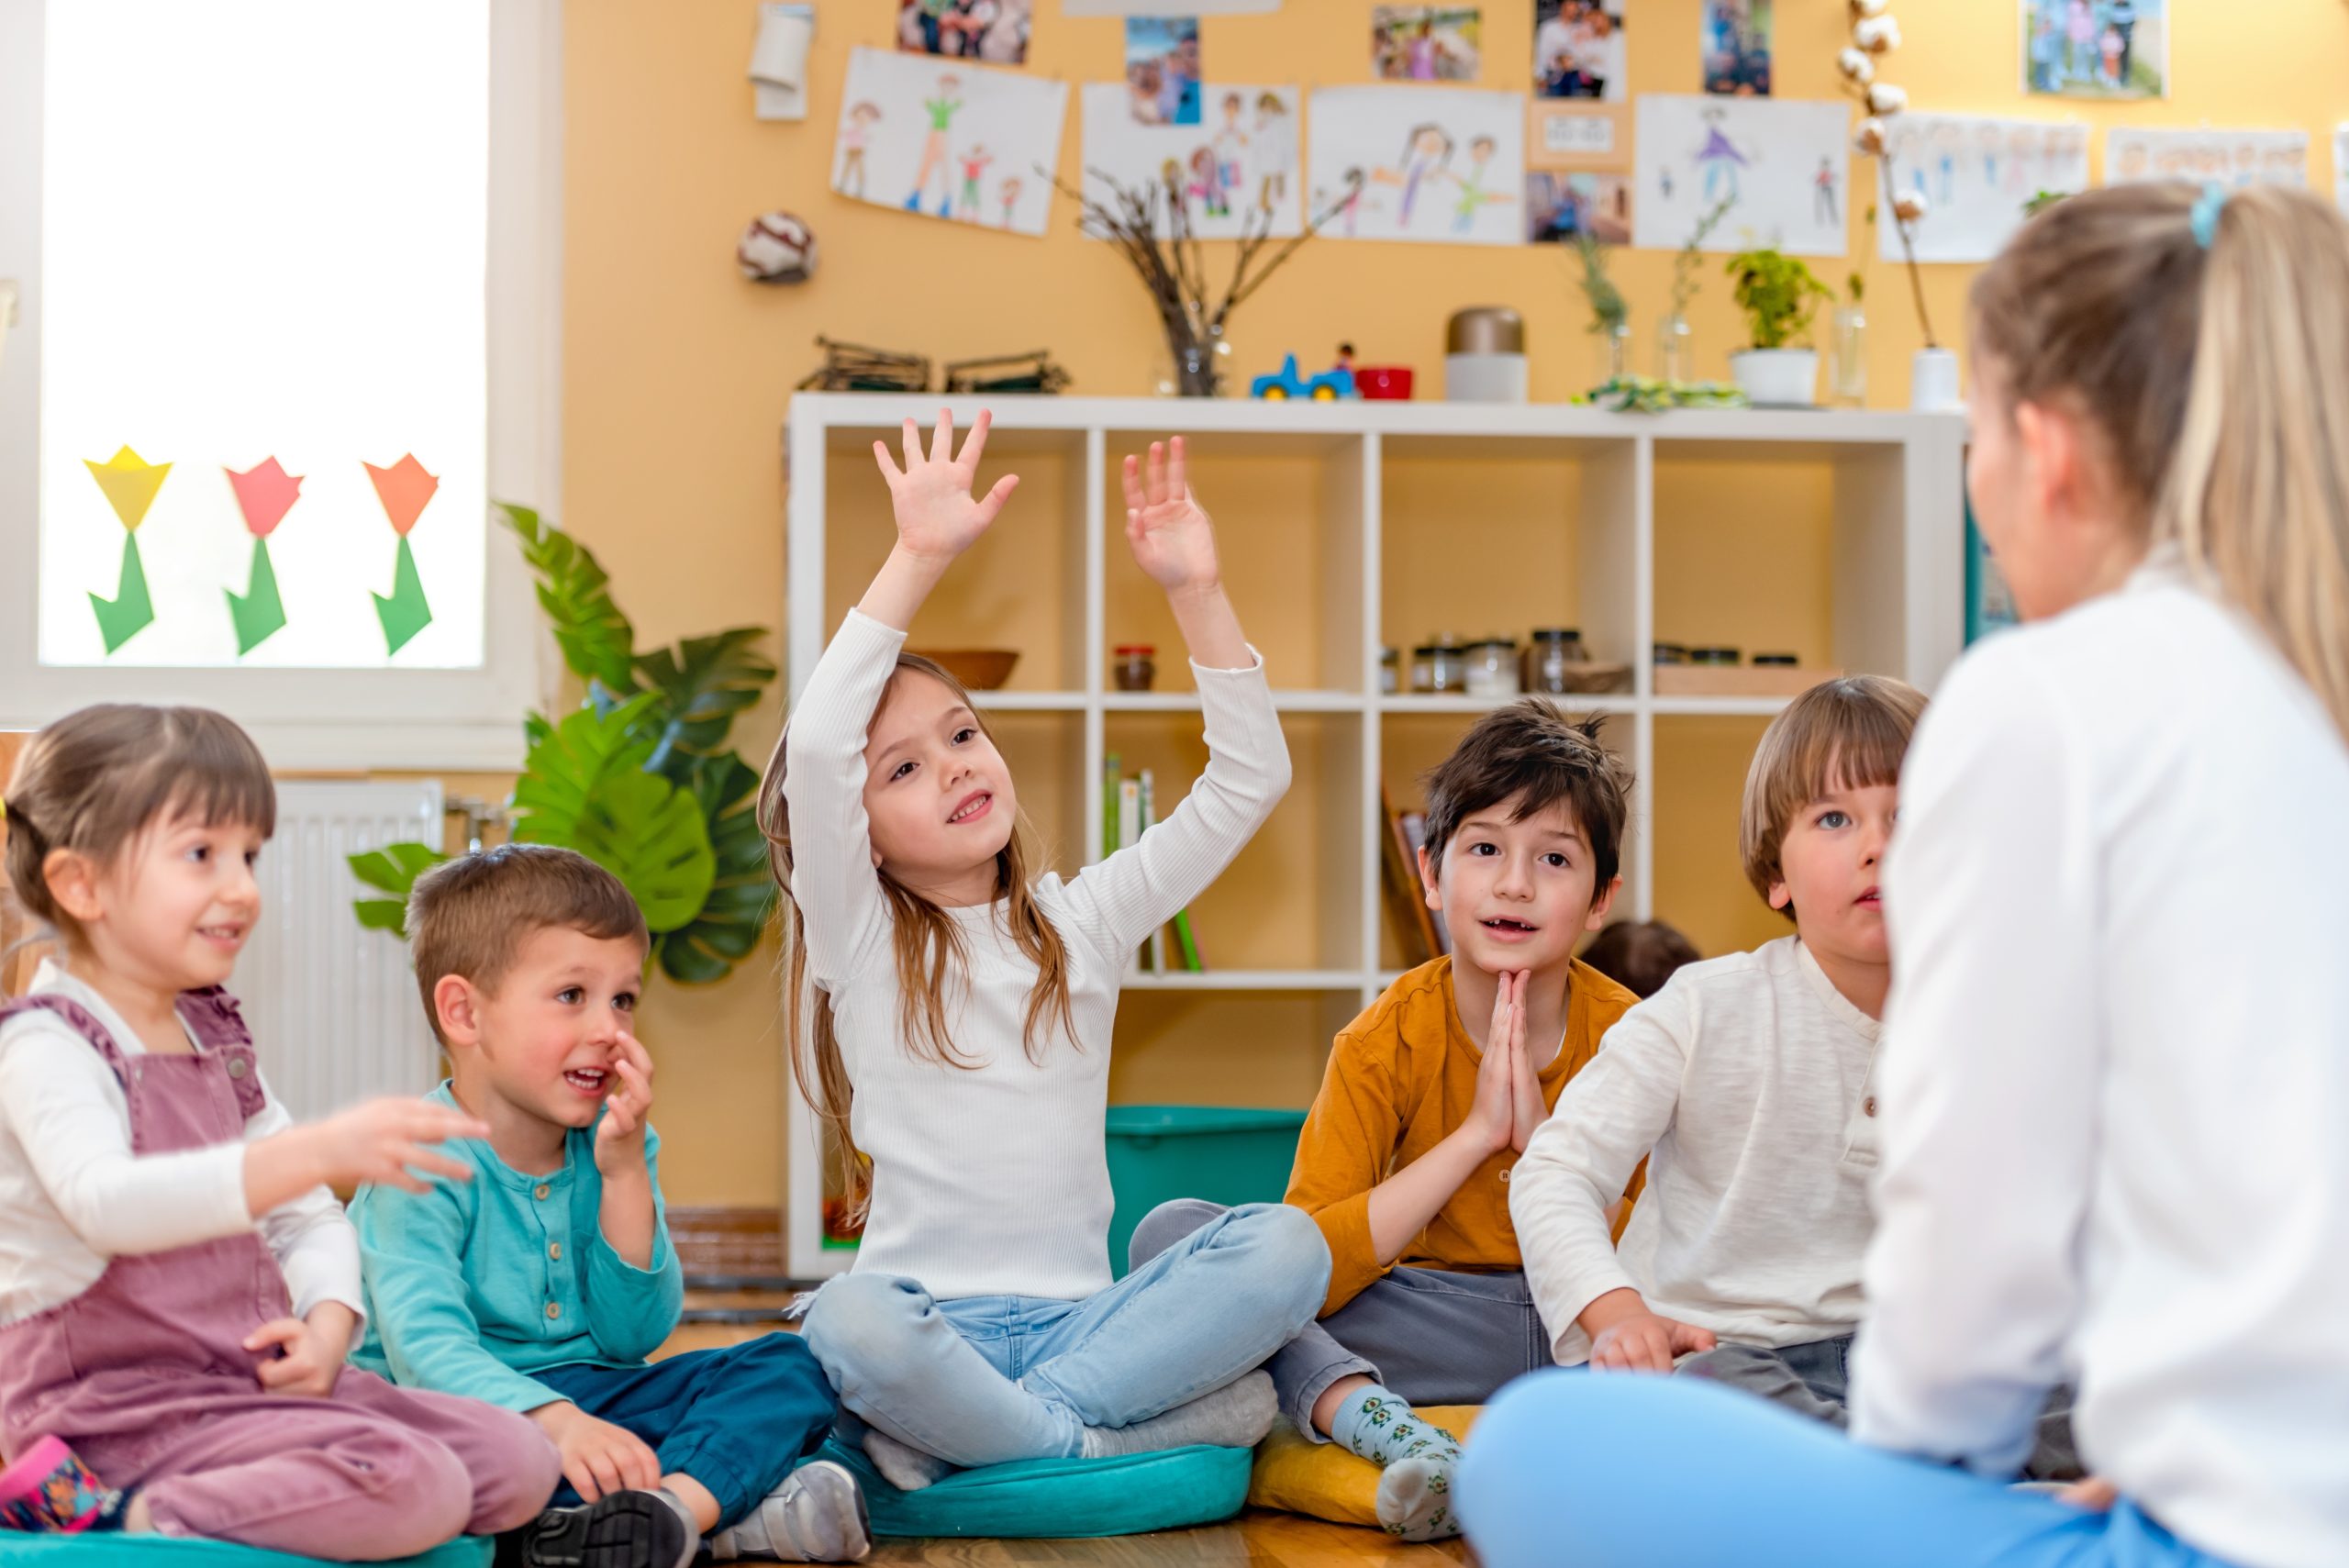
column 621, row 1530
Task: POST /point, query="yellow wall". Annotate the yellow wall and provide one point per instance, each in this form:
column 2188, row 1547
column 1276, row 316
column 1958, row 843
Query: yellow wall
column 677, row 373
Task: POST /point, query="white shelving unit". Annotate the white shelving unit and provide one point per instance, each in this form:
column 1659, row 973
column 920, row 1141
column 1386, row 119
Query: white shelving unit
column 1895, row 562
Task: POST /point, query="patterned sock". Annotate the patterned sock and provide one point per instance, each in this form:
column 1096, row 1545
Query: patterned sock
column 1417, row 1456
column 49, row 1491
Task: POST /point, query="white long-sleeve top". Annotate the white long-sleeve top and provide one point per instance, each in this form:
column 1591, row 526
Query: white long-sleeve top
column 1748, row 1077
column 2117, row 1074
column 990, row 1177
column 72, row 1194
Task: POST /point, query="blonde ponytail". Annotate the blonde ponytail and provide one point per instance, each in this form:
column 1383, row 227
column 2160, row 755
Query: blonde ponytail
column 2217, row 376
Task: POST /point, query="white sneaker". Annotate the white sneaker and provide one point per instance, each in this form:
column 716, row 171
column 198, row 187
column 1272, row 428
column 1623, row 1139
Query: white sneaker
column 818, row 1515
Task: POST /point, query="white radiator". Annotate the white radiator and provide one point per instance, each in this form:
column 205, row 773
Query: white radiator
column 332, row 1006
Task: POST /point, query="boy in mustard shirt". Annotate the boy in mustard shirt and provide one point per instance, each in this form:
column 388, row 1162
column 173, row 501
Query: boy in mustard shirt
column 1429, row 1097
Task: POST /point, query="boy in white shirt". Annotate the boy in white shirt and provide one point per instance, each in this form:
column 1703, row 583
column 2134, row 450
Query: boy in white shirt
column 1752, row 1080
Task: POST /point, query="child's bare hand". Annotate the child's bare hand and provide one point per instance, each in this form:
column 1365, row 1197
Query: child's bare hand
column 1525, row 1084
column 937, row 518
column 2093, row 1492
column 1169, row 532
column 314, row 1351
column 1492, row 1118
column 597, row 1457
column 620, row 1137
column 387, row 1141
column 1646, row 1342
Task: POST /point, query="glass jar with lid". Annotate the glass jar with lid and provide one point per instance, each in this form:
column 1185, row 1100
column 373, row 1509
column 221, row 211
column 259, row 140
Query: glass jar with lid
column 1446, row 668
column 1492, row 668
column 1550, row 657
column 1390, row 671
column 1135, row 667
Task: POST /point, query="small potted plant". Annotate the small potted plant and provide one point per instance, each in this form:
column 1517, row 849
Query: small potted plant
column 1779, row 296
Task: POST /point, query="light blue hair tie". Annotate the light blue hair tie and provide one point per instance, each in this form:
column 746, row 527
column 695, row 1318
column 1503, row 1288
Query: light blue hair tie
column 2206, row 213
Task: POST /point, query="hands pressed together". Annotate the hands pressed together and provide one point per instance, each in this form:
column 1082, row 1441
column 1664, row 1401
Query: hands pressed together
column 1508, row 1103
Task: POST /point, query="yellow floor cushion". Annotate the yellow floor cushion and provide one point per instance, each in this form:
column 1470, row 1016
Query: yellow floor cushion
column 1323, row 1480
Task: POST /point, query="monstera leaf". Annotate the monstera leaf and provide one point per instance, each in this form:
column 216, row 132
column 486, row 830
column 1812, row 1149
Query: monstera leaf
column 704, row 681
column 596, row 639
column 743, row 896
column 392, row 869
column 585, row 787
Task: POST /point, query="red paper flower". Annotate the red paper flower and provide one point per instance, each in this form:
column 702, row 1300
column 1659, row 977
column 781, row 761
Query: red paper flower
column 264, row 492
column 404, row 488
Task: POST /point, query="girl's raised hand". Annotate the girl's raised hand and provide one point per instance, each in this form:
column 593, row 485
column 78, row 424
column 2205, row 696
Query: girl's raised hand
column 1169, row 532
column 937, row 517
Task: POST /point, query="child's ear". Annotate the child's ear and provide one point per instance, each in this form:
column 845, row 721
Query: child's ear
column 1605, row 902
column 1427, row 880
column 1781, row 895
column 73, row 879
column 456, row 1003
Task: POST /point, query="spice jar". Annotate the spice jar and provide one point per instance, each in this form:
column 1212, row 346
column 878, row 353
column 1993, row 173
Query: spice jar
column 1492, row 668
column 1135, row 667
column 1671, row 654
column 1390, row 671
column 1447, row 666
column 1549, row 656
column 1715, row 656
column 1774, row 660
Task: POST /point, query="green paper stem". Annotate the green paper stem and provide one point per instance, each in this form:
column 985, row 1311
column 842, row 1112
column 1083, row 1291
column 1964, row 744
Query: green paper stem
column 259, row 613
column 405, row 613
column 130, row 610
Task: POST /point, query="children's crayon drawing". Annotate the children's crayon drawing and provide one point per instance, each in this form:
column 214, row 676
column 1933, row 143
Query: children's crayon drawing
column 1237, row 171
column 2233, row 158
column 946, row 140
column 2096, row 49
column 1975, row 175
column 1445, row 165
column 1781, row 165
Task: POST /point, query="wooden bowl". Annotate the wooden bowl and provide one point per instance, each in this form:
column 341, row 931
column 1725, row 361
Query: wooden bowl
column 980, row 669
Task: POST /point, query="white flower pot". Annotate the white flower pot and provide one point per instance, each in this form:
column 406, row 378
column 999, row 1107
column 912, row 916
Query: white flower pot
column 1778, row 378
column 1932, row 381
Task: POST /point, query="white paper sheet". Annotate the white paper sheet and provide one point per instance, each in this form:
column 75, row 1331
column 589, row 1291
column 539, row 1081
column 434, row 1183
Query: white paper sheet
column 1445, row 165
column 1242, row 160
column 2235, row 157
column 948, row 140
column 1783, row 165
column 1976, row 172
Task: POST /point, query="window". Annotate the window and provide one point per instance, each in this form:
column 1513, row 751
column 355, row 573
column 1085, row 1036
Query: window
column 287, row 327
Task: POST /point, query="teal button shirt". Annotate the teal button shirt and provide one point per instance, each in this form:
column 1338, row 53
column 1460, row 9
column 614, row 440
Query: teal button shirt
column 471, row 1286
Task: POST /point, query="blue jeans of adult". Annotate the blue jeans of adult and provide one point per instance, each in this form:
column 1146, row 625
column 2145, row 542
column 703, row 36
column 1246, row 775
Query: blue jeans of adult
column 987, row 1380
column 1671, row 1472
column 737, row 1419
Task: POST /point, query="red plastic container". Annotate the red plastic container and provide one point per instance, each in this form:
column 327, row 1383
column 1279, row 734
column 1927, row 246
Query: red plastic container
column 1385, row 382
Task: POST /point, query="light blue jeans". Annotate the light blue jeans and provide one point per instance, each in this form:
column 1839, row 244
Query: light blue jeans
column 1615, row 1469
column 990, row 1379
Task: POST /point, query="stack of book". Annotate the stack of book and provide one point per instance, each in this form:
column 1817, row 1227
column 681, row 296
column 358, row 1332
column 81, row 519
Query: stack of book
column 1422, row 936
column 1129, row 808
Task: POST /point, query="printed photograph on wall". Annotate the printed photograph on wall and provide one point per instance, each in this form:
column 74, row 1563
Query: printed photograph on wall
column 1439, row 164
column 948, row 141
column 2096, row 49
column 993, row 30
column 1735, row 35
column 1579, row 49
column 1425, row 43
column 1241, row 163
column 1975, row 174
column 1562, row 205
column 2236, row 157
column 1780, row 166
column 1163, row 70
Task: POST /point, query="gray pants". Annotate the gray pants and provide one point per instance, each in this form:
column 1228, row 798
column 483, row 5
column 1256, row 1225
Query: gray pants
column 1429, row 1337
column 1814, row 1380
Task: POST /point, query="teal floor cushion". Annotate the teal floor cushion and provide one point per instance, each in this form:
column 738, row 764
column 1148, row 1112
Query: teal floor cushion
column 109, row 1549
column 1059, row 1498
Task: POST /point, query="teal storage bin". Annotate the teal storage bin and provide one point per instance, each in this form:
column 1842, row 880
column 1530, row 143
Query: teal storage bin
column 1223, row 1154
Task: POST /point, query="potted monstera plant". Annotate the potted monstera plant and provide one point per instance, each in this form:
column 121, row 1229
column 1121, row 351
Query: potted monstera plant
column 641, row 778
column 1779, row 295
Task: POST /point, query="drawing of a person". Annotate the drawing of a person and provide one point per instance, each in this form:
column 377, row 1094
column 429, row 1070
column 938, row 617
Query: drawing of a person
column 1473, row 197
column 1207, row 183
column 1822, row 201
column 1350, row 210
column 1718, row 159
column 1989, row 141
column 1275, row 148
column 1945, row 160
column 1008, row 193
column 2022, row 144
column 856, row 136
column 1232, row 148
column 1426, row 152
column 942, row 111
column 974, row 162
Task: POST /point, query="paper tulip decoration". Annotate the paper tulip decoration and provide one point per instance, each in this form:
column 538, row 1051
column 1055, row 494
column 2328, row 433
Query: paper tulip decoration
column 264, row 492
column 404, row 489
column 130, row 483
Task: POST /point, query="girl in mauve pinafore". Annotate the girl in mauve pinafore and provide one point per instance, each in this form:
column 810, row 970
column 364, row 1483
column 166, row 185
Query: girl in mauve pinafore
column 145, row 1374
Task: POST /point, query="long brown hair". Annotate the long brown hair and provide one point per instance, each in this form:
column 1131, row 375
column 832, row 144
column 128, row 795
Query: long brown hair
column 931, row 957
column 2217, row 376
column 96, row 780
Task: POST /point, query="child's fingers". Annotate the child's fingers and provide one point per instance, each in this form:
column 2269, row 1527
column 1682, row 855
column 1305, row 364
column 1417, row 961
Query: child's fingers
column 437, row 1124
column 633, row 1050
column 415, row 1157
column 992, row 502
column 911, row 438
column 941, row 440
column 606, row 1472
column 975, row 443
column 644, row 1469
column 277, row 1331
column 618, row 1121
column 1134, row 498
column 890, row 472
column 276, row 1376
column 1176, row 486
column 1154, row 478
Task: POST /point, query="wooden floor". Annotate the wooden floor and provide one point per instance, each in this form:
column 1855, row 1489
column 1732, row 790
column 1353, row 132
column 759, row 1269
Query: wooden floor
column 1257, row 1538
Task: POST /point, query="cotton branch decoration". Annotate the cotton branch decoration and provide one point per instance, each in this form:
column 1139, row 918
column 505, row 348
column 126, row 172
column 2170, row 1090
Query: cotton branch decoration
column 1875, row 33
column 1173, row 268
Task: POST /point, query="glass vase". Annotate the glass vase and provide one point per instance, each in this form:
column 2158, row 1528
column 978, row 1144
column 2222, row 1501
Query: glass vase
column 1198, row 358
column 1848, row 374
column 1611, row 352
column 1675, row 349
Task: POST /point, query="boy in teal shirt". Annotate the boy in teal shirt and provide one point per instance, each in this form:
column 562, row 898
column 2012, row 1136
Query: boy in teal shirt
column 542, row 1283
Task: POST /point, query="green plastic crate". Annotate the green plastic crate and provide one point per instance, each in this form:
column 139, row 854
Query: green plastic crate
column 1224, row 1154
